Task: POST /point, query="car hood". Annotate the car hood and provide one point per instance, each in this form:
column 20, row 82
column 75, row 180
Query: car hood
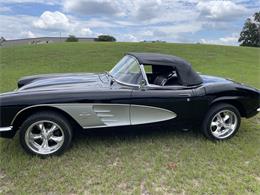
column 69, row 81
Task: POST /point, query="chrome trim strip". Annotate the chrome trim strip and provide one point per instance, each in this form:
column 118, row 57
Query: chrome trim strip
column 95, row 127
column 3, row 129
column 258, row 109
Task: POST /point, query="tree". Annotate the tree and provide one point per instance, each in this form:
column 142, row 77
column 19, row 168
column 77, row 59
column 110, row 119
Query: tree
column 106, row 38
column 250, row 35
column 72, row 38
column 2, row 40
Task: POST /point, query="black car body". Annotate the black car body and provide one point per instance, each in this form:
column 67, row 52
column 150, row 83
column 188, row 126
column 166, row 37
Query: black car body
column 143, row 88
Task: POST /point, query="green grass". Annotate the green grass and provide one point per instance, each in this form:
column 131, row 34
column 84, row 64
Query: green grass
column 154, row 161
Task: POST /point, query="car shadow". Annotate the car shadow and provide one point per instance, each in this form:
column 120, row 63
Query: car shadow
column 132, row 132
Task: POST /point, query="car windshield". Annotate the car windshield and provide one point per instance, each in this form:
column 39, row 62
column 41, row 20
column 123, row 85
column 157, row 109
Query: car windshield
column 127, row 70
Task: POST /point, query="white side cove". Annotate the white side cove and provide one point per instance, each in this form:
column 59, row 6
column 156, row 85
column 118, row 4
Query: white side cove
column 111, row 115
column 147, row 114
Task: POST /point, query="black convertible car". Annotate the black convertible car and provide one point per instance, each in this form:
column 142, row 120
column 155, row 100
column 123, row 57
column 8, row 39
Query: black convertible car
column 142, row 88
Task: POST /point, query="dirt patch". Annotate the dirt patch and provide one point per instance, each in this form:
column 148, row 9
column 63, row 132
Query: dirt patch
column 5, row 183
column 143, row 188
column 257, row 178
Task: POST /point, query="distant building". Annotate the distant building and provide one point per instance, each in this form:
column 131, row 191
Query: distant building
column 41, row 40
column 156, row 41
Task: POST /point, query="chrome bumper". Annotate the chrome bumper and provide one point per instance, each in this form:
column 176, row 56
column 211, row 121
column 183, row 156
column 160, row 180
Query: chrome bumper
column 4, row 129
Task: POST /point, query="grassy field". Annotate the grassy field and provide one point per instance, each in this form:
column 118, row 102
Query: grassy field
column 134, row 161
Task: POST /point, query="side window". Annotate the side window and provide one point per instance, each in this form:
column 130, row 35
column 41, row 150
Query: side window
column 162, row 75
column 148, row 69
column 149, row 73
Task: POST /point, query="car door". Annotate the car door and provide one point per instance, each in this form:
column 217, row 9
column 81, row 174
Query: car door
column 183, row 104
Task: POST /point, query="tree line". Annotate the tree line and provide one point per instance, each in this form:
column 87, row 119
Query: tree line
column 106, row 38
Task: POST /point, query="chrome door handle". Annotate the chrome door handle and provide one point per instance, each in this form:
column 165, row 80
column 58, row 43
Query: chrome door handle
column 184, row 95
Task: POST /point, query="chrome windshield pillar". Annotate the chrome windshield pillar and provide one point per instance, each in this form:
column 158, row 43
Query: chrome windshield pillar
column 144, row 74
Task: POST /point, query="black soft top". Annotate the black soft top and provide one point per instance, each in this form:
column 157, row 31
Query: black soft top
column 186, row 74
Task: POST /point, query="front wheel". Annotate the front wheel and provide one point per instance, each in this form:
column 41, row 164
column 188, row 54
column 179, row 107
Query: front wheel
column 45, row 134
column 221, row 122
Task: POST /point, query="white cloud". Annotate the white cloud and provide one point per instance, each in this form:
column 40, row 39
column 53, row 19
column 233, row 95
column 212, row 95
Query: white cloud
column 127, row 38
column 176, row 33
column 157, row 11
column 220, row 10
column 57, row 21
column 147, row 10
column 141, row 11
column 90, row 7
column 4, row 9
column 86, row 32
column 50, row 2
column 14, row 26
column 171, row 32
column 28, row 34
column 228, row 40
column 52, row 20
column 99, row 23
column 50, row 24
column 147, row 13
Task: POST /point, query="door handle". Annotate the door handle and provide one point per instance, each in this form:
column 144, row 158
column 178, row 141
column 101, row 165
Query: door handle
column 184, row 95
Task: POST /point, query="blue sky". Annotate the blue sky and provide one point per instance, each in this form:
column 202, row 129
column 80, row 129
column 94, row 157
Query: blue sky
column 191, row 21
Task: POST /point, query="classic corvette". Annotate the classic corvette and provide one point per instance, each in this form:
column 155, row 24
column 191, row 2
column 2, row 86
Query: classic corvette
column 142, row 88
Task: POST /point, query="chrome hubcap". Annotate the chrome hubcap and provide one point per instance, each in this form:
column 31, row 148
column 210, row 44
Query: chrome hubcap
column 223, row 124
column 44, row 137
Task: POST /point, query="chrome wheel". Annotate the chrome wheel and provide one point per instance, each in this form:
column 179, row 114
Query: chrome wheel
column 223, row 124
column 44, row 137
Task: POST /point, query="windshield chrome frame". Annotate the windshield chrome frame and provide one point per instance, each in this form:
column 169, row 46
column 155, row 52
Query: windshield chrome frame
column 142, row 72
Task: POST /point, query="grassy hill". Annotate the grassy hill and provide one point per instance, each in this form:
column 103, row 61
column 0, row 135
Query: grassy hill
column 156, row 161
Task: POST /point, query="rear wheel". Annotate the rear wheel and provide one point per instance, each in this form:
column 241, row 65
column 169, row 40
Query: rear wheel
column 221, row 122
column 45, row 134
